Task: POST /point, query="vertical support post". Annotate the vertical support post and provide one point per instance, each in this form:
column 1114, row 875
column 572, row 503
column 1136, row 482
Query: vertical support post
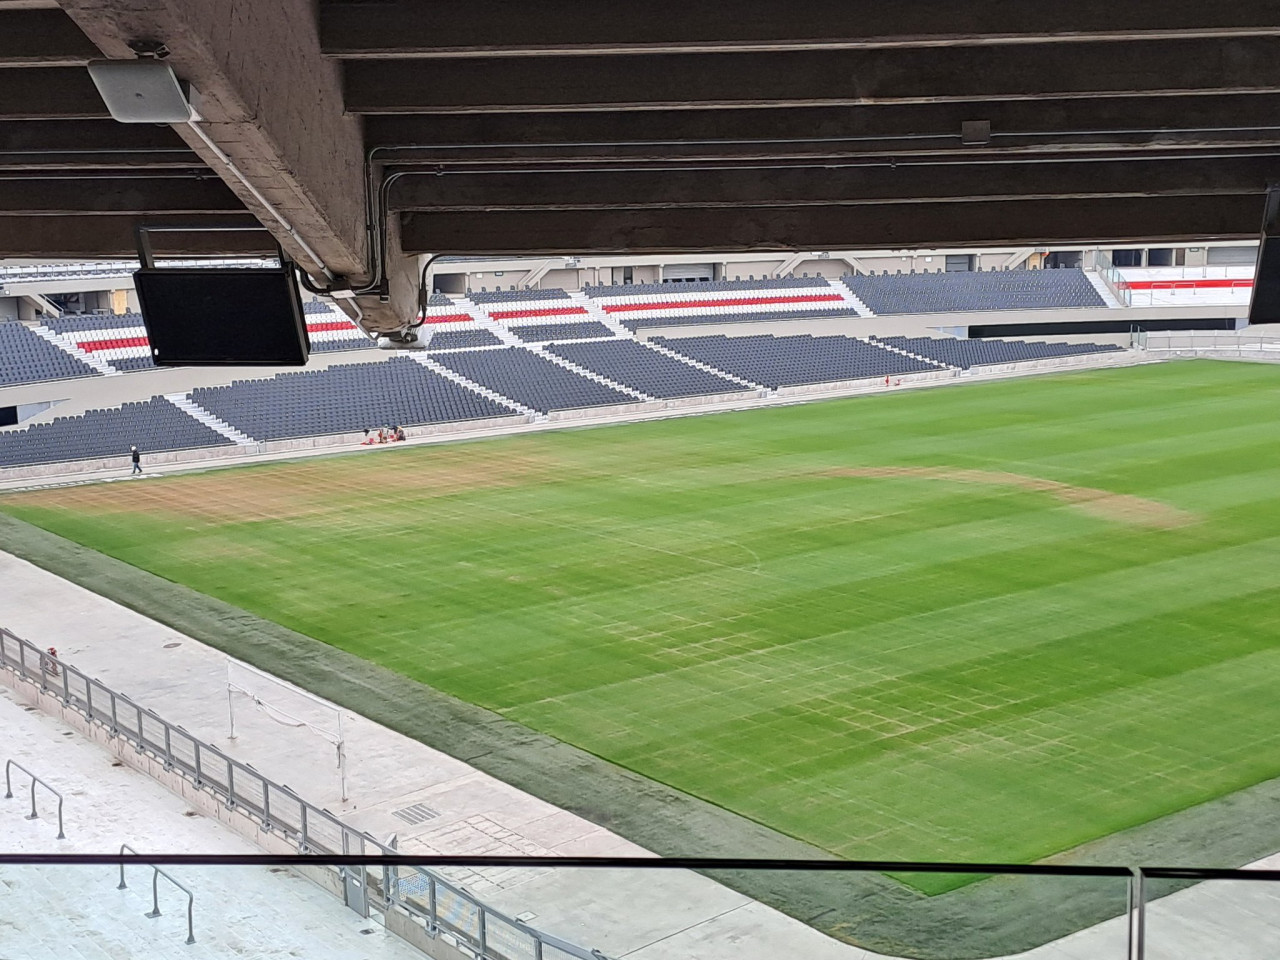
column 342, row 769
column 483, row 946
column 199, row 778
column 1140, row 935
column 66, row 683
column 155, row 893
column 302, row 837
column 32, row 815
column 88, row 697
column 266, row 804
column 231, row 783
column 231, row 708
column 1137, row 914
column 168, row 747
column 115, row 722
column 142, row 741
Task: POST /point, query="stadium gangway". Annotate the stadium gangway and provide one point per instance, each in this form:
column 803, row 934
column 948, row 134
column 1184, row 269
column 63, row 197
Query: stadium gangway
column 321, row 838
column 1138, row 878
column 389, row 882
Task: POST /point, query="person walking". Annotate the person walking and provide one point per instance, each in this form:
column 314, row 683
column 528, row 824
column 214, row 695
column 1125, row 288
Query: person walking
column 136, row 457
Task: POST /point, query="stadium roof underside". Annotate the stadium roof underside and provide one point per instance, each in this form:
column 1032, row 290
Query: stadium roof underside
column 664, row 126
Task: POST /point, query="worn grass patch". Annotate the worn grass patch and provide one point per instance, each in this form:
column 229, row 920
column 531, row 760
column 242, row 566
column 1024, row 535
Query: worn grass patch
column 978, row 624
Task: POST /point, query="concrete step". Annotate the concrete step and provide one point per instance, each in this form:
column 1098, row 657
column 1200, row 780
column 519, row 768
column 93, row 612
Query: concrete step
column 596, row 312
column 481, row 316
column 852, row 299
column 484, row 391
column 68, row 345
column 584, row 372
column 188, row 406
column 907, row 353
column 1104, row 291
column 704, row 366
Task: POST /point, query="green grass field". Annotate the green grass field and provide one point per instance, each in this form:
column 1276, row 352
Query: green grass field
column 867, row 623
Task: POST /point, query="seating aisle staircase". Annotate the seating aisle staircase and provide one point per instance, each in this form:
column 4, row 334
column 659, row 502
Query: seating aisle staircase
column 852, row 299
column 484, row 391
column 584, row 372
column 188, row 406
column 665, row 351
column 907, row 353
column 1096, row 281
column 68, row 345
column 595, row 312
column 478, row 313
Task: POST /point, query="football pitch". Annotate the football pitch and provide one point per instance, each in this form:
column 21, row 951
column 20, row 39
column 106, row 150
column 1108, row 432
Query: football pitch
column 983, row 623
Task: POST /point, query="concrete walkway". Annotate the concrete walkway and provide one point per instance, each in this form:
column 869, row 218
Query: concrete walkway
column 458, row 809
column 438, row 805
column 77, row 912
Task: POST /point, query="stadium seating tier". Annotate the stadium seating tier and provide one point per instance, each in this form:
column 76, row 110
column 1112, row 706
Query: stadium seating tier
column 643, row 368
column 345, row 398
column 153, row 426
column 974, row 291
column 971, row 353
column 546, row 332
column 531, row 380
column 28, row 358
column 794, row 361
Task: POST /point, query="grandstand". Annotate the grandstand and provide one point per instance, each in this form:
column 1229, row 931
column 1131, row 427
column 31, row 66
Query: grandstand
column 968, row 292
column 792, row 361
column 507, row 354
column 344, row 399
column 26, row 357
column 155, row 425
column 816, row 450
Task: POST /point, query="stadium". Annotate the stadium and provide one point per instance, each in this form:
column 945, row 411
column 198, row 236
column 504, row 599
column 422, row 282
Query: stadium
column 511, row 487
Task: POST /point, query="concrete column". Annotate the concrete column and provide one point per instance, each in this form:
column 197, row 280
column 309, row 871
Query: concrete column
column 273, row 105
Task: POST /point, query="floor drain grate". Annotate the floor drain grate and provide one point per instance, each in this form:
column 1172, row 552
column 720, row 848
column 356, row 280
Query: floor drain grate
column 417, row 813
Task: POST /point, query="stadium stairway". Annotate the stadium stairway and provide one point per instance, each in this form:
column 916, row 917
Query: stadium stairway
column 668, row 352
column 593, row 310
column 188, row 406
column 853, row 299
column 484, row 391
column 907, row 353
column 584, row 372
column 481, row 316
column 78, row 912
column 1103, row 290
column 68, row 345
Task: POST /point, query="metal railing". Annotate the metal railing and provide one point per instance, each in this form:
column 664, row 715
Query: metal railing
column 1112, row 277
column 156, row 874
column 8, row 793
column 1136, row 890
column 279, row 810
column 1209, row 343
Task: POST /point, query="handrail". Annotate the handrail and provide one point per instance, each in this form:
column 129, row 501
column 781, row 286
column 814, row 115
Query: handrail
column 276, row 807
column 156, row 874
column 1135, row 875
column 8, row 793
